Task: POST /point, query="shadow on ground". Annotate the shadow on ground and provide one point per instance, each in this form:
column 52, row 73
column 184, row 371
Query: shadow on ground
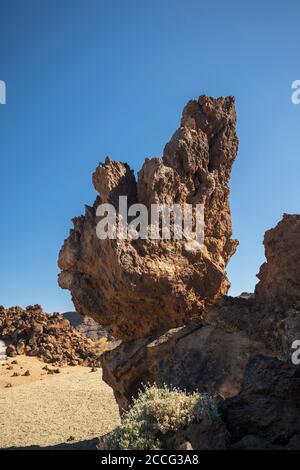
column 83, row 445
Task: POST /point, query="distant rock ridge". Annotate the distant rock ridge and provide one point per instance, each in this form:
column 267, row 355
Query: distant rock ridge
column 87, row 326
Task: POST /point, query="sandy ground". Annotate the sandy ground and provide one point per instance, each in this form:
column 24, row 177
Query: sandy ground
column 66, row 410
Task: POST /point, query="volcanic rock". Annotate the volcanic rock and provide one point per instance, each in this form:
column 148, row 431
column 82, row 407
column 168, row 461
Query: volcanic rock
column 279, row 286
column 266, row 412
column 135, row 288
column 49, row 337
column 195, row 357
column 209, row 434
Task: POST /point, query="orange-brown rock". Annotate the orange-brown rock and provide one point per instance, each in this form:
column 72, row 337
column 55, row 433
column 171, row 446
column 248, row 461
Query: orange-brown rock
column 139, row 287
column 32, row 332
column 279, row 286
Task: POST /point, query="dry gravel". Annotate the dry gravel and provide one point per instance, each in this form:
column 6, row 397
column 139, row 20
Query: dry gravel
column 47, row 410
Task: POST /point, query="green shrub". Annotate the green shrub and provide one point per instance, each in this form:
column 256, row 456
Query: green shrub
column 155, row 412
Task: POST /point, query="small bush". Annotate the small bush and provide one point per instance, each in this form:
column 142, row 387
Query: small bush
column 156, row 412
column 102, row 345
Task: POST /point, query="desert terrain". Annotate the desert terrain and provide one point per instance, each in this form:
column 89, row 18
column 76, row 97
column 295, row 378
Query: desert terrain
column 69, row 409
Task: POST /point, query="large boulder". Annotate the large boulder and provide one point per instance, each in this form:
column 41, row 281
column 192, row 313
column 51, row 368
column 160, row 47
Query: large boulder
column 135, row 288
column 195, row 357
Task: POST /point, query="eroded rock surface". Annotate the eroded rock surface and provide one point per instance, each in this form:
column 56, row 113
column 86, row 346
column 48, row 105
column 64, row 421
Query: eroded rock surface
column 168, row 303
column 137, row 288
column 279, row 286
column 195, row 357
column 241, row 354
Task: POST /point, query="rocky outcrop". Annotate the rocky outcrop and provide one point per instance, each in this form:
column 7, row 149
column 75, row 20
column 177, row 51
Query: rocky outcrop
column 195, row 357
column 240, row 354
column 272, row 315
column 279, row 278
column 135, row 288
column 49, row 337
column 265, row 414
column 166, row 299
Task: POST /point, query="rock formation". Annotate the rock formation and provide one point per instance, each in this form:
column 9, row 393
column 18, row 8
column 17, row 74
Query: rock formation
column 49, row 337
column 138, row 287
column 265, row 414
column 168, row 302
column 279, row 286
column 195, row 357
column 240, row 354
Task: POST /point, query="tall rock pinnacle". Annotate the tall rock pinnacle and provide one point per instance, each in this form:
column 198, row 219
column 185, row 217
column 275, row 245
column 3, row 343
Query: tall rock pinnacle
column 138, row 287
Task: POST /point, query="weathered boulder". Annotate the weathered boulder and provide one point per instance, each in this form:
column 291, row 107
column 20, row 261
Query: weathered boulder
column 135, row 288
column 195, row 357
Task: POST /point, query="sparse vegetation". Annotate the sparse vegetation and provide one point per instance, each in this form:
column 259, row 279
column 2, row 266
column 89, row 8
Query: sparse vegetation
column 102, row 345
column 156, row 412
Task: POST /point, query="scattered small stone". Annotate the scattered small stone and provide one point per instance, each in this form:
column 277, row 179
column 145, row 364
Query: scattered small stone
column 73, row 363
column 8, row 385
column 186, row 446
column 71, row 438
column 26, row 373
column 14, row 362
column 9, row 367
column 15, row 374
column 11, row 350
column 93, row 369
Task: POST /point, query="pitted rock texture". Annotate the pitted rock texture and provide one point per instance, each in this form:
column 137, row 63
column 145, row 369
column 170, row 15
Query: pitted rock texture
column 279, row 286
column 137, row 288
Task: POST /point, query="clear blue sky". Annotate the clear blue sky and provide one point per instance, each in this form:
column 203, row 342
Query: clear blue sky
column 91, row 78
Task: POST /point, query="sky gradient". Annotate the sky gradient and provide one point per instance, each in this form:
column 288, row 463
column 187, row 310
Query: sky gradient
column 86, row 79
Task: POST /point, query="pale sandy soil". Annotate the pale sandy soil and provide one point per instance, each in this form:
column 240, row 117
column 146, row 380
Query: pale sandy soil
column 45, row 410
